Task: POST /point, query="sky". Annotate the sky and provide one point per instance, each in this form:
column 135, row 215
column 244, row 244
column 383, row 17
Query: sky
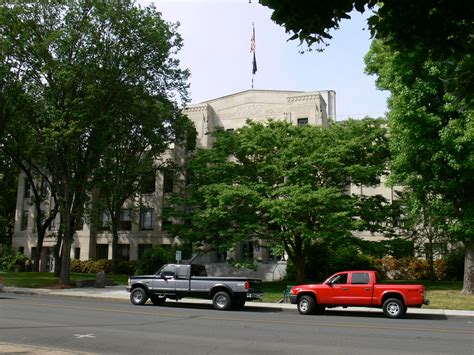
column 217, row 33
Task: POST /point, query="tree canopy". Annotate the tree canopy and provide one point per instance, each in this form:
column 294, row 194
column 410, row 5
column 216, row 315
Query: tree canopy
column 86, row 70
column 441, row 28
column 284, row 184
column 431, row 138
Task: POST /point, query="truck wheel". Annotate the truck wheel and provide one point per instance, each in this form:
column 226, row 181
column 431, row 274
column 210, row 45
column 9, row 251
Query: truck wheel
column 394, row 308
column 238, row 303
column 306, row 305
column 157, row 300
column 138, row 296
column 221, row 301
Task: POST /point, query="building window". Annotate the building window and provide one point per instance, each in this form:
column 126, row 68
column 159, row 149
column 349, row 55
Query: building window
column 24, row 220
column 165, row 220
column 102, row 251
column 77, row 253
column 21, row 250
column 230, row 130
column 247, row 249
column 302, row 121
column 80, row 225
column 53, row 226
column 124, row 252
column 27, row 189
column 44, row 188
column 142, row 248
column 125, row 219
column 146, row 219
column 104, row 221
column 168, row 182
column 147, row 183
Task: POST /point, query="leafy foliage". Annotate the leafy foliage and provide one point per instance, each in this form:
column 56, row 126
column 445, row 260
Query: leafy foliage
column 442, row 29
column 10, row 258
column 280, row 183
column 153, row 259
column 431, row 142
column 88, row 72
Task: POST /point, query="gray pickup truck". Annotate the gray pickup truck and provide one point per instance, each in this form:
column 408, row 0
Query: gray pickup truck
column 175, row 281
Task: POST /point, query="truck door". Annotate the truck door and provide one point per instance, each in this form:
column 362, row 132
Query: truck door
column 182, row 278
column 360, row 289
column 165, row 280
column 335, row 291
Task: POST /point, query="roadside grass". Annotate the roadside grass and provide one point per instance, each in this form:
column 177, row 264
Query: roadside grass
column 47, row 279
column 442, row 294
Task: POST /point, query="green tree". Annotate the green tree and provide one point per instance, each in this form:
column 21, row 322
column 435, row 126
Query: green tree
column 132, row 157
column 431, row 139
column 280, row 183
column 441, row 28
column 8, row 186
column 85, row 64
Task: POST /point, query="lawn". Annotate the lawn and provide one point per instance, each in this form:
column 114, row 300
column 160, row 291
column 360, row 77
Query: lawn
column 442, row 294
column 47, row 279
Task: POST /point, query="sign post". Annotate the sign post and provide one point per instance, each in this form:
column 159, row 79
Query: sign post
column 178, row 256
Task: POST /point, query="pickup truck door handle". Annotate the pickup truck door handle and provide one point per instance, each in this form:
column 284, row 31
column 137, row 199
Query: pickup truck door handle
column 367, row 289
column 344, row 288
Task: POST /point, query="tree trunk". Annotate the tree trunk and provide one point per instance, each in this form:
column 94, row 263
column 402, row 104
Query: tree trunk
column 299, row 264
column 57, row 253
column 115, row 260
column 468, row 284
column 39, row 250
column 64, row 276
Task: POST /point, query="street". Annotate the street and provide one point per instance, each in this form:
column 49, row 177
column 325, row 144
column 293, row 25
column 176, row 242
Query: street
column 96, row 326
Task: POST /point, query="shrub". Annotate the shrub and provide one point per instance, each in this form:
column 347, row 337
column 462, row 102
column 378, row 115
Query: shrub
column 411, row 268
column 455, row 265
column 349, row 258
column 9, row 259
column 126, row 267
column 322, row 262
column 153, row 259
column 91, row 266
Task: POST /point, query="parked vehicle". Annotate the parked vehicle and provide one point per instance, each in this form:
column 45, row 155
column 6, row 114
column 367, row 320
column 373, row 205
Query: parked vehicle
column 2, row 282
column 175, row 281
column 357, row 289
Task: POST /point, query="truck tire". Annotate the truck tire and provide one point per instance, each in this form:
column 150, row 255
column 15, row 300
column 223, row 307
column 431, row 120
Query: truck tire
column 238, row 303
column 222, row 301
column 394, row 308
column 138, row 296
column 157, row 300
column 306, row 305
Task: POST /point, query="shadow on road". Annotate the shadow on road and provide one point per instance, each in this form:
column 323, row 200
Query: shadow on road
column 381, row 315
column 249, row 308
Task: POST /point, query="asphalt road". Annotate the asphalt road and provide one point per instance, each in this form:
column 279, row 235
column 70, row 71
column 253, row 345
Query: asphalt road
column 42, row 324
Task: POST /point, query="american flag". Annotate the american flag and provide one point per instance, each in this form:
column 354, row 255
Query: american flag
column 252, row 50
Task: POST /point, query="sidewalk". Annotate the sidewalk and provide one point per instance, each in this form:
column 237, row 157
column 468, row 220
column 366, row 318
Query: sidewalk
column 118, row 293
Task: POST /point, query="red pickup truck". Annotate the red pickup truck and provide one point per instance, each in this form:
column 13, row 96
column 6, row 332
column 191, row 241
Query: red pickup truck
column 357, row 289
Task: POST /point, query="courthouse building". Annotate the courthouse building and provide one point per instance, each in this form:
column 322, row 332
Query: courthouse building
column 142, row 228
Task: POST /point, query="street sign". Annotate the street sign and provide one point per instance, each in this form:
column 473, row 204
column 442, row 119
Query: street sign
column 178, row 255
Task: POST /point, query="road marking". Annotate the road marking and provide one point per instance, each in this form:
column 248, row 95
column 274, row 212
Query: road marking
column 79, row 336
column 264, row 321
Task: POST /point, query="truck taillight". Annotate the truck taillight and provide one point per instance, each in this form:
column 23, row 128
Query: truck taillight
column 247, row 285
